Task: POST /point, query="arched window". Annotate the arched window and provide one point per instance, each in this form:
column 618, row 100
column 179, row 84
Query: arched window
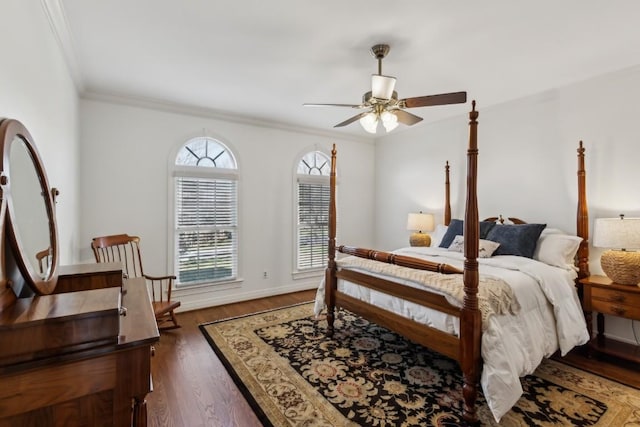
column 312, row 203
column 206, row 213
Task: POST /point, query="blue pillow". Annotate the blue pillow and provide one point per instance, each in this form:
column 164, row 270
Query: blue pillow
column 456, row 228
column 516, row 239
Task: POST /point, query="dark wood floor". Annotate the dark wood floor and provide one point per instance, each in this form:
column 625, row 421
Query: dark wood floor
column 609, row 367
column 192, row 387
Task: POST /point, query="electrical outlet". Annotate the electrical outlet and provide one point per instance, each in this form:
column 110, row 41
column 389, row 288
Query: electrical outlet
column 265, row 275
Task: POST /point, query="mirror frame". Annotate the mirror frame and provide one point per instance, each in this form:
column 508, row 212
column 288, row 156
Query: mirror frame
column 11, row 129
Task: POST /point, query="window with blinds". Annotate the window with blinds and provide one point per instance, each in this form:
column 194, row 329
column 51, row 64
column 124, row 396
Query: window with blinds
column 312, row 211
column 313, row 221
column 206, row 214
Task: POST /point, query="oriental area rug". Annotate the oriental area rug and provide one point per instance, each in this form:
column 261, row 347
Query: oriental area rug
column 293, row 375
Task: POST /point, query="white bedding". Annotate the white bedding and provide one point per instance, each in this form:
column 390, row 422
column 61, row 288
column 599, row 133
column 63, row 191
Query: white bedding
column 513, row 346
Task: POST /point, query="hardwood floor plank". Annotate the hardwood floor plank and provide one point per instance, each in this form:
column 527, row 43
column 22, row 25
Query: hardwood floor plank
column 191, row 386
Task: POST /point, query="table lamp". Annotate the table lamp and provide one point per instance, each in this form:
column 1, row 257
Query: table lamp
column 420, row 223
column 618, row 235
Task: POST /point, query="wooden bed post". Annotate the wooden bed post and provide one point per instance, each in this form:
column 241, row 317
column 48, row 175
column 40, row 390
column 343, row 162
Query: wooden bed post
column 470, row 317
column 331, row 281
column 582, row 225
column 447, row 195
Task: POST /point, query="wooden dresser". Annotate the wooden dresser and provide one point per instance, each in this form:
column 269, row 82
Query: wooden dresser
column 83, row 277
column 93, row 384
column 75, row 341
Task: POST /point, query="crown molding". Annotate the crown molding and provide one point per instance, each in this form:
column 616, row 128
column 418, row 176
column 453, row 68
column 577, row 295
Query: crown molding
column 60, row 27
column 172, row 107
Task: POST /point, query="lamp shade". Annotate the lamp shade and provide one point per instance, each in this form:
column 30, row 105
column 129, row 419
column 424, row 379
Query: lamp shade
column 420, row 222
column 369, row 122
column 389, row 120
column 382, row 86
column 617, row 233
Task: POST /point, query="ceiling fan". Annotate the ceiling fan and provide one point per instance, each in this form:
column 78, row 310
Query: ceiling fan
column 382, row 103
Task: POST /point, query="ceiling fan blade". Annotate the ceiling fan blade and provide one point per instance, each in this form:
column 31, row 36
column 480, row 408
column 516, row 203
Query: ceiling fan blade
column 405, row 117
column 429, row 100
column 335, row 105
column 352, row 119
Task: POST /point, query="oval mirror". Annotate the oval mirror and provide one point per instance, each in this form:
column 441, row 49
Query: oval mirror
column 31, row 225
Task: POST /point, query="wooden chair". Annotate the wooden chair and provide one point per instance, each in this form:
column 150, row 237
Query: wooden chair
column 44, row 260
column 126, row 249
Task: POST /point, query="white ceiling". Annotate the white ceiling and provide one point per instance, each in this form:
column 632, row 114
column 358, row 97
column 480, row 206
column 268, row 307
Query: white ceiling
column 262, row 59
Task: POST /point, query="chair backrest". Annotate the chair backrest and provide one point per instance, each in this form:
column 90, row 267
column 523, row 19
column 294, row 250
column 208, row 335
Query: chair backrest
column 44, row 260
column 126, row 250
column 119, row 248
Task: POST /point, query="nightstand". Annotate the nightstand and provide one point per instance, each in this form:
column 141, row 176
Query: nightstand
column 603, row 296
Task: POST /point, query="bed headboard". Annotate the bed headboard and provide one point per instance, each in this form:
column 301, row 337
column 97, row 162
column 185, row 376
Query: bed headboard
column 582, row 218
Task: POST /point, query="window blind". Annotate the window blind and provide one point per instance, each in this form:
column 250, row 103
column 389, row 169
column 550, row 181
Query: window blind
column 313, row 228
column 206, row 229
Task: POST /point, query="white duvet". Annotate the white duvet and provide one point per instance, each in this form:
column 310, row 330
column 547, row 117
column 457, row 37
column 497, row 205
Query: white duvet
column 550, row 318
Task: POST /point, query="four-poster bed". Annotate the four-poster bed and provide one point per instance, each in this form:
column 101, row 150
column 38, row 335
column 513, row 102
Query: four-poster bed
column 464, row 342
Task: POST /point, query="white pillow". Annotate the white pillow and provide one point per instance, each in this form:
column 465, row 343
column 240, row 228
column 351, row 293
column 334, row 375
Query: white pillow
column 438, row 234
column 558, row 250
column 485, row 250
column 548, row 230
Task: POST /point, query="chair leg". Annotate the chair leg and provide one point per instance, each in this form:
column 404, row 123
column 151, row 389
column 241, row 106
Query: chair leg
column 163, row 319
column 174, row 319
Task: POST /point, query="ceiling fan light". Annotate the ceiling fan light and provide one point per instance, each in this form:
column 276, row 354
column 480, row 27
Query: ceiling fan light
column 382, row 86
column 389, row 121
column 369, row 122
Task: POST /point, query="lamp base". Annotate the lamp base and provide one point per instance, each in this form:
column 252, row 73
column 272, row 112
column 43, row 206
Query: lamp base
column 420, row 239
column 623, row 267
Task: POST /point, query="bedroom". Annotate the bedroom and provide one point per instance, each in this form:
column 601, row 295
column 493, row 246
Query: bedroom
column 531, row 135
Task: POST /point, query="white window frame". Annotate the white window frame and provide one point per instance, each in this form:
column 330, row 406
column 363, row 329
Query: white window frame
column 306, row 179
column 207, row 173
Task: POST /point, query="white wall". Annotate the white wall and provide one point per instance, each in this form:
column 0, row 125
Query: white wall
column 36, row 89
column 527, row 162
column 125, row 155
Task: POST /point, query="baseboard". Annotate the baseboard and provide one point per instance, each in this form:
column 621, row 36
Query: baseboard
column 196, row 302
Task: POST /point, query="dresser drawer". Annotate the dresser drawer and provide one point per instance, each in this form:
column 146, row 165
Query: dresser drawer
column 615, row 309
column 615, row 296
